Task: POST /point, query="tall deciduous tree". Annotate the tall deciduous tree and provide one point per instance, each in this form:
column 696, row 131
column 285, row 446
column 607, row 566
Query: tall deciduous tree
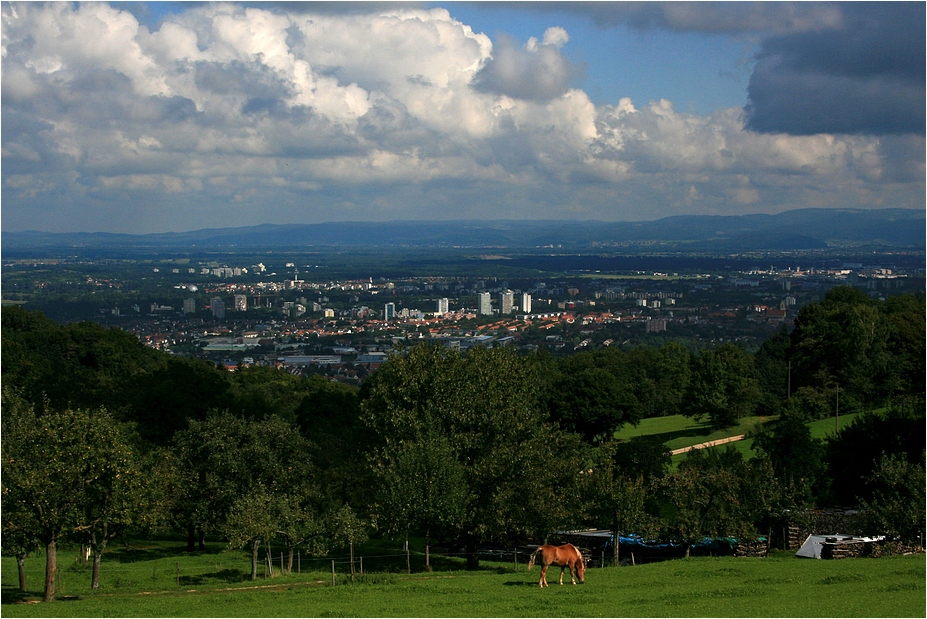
column 618, row 499
column 715, row 493
column 114, row 492
column 224, row 459
column 250, row 522
column 870, row 349
column 724, row 386
column 58, row 468
column 519, row 473
column 897, row 507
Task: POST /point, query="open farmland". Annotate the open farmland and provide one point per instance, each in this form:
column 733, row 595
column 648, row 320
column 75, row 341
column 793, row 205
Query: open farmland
column 778, row 586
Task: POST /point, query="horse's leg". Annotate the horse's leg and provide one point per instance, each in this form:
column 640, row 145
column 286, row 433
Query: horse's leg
column 572, row 570
column 543, row 581
column 561, row 574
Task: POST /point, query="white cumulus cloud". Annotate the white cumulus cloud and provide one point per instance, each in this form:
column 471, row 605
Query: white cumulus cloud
column 227, row 115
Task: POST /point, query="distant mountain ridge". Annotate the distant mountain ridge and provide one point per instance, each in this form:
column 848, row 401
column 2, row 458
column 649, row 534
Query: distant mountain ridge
column 789, row 230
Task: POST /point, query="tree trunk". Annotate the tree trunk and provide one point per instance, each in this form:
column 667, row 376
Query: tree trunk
column 254, row 558
column 289, row 557
column 97, row 547
column 202, row 539
column 615, row 549
column 191, row 538
column 51, row 566
column 473, row 559
column 95, row 578
column 21, row 567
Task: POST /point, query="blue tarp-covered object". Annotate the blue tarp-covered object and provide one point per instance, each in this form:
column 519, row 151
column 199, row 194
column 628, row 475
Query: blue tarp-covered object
column 656, row 550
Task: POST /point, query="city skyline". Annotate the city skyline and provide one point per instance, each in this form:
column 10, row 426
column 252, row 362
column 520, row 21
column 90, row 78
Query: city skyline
column 149, row 117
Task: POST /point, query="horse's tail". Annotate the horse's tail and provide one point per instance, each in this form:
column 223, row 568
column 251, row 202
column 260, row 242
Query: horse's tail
column 533, row 556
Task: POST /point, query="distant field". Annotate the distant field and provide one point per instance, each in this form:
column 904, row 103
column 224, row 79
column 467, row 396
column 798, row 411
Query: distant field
column 677, row 431
column 778, row 586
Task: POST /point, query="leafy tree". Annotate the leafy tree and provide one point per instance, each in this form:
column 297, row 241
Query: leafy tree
column 671, row 373
column 592, row 394
column 329, row 416
column 724, row 387
column 249, row 522
column 225, row 458
column 165, row 400
column 349, row 528
column 261, row 391
column 715, row 493
column 811, row 403
column 593, row 403
column 486, row 408
column 642, row 456
column 906, row 343
column 870, row 350
column 302, row 520
column 896, row 509
column 773, row 371
column 81, row 365
column 19, row 537
column 423, row 487
column 797, row 459
column 113, row 498
column 58, row 468
column 851, row 456
column 618, row 500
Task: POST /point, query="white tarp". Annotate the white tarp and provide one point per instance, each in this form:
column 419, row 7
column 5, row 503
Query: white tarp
column 812, row 546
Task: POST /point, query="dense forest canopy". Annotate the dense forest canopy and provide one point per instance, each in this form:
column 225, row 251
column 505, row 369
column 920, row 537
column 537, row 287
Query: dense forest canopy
column 488, row 447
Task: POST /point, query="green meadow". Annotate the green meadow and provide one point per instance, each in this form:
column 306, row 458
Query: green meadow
column 677, row 432
column 150, row 582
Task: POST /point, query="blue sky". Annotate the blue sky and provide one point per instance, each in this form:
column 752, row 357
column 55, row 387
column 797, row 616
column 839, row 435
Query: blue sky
column 149, row 117
column 701, row 72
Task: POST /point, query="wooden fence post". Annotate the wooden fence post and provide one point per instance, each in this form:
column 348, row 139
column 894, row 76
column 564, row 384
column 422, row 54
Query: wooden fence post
column 333, row 572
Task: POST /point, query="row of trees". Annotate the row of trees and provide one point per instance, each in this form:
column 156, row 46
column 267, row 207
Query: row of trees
column 101, row 435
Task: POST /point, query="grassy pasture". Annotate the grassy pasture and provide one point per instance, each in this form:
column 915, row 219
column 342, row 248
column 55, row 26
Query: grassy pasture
column 778, row 586
column 677, row 431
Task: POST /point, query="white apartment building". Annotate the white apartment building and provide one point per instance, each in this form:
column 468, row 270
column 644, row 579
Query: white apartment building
column 444, row 306
column 526, row 303
column 485, row 304
column 507, row 302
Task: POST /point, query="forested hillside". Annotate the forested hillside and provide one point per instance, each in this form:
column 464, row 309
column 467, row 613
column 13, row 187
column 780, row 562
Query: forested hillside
column 103, row 436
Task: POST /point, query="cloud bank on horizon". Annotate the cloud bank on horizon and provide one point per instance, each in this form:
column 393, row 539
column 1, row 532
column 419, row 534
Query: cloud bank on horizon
column 231, row 114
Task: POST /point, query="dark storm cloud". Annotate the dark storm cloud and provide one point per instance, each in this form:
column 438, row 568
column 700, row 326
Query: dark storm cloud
column 707, row 17
column 864, row 78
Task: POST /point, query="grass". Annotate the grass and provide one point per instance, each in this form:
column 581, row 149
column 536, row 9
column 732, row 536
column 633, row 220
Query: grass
column 824, row 428
column 677, row 431
column 778, row 586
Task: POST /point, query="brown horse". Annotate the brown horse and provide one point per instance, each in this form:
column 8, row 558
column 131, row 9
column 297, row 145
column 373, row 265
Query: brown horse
column 567, row 556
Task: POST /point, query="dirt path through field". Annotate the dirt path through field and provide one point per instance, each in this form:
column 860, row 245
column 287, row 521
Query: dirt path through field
column 720, row 441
